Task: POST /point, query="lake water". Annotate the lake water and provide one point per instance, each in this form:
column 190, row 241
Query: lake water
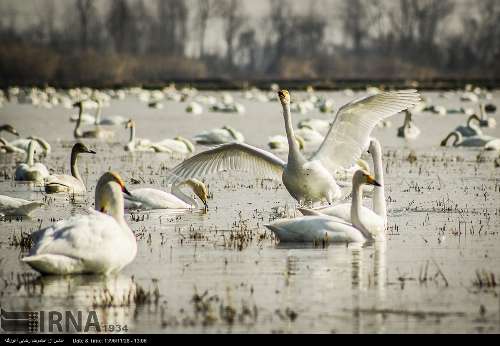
column 222, row 270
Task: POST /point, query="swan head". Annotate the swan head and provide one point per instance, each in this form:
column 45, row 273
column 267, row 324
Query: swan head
column 199, row 188
column 109, row 195
column 79, row 148
column 374, row 146
column 10, row 129
column 362, row 177
column 78, row 104
column 284, row 97
column 129, row 124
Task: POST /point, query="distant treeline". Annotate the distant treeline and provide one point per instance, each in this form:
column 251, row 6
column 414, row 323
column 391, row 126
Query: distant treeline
column 155, row 41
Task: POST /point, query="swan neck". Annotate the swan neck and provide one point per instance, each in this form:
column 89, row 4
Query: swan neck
column 177, row 192
column 357, row 198
column 30, row 159
column 109, row 199
column 379, row 205
column 74, row 167
column 76, row 132
column 292, row 143
column 132, row 134
column 98, row 114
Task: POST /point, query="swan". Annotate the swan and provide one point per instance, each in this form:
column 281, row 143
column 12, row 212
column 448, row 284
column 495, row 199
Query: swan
column 194, row 107
column 136, row 144
column 319, row 125
column 280, row 143
column 69, row 183
column 11, row 206
column 148, row 198
column 484, row 141
column 310, row 136
column 10, row 129
column 226, row 134
column 107, row 120
column 98, row 133
column 375, row 221
column 6, row 147
column 98, row 243
column 328, row 228
column 307, row 179
column 409, row 130
column 31, row 171
column 177, row 145
column 41, row 145
column 470, row 129
column 485, row 120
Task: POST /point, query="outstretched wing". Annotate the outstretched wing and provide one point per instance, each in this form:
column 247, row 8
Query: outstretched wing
column 231, row 156
column 349, row 134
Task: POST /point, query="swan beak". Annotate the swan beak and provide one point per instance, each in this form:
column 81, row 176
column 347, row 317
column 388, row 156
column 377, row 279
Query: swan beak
column 124, row 189
column 90, row 151
column 371, row 181
column 15, row 133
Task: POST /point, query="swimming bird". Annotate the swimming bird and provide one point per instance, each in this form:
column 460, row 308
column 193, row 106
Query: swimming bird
column 470, row 129
column 226, row 134
column 307, row 179
column 29, row 170
column 484, row 141
column 148, row 198
column 329, row 228
column 10, row 129
column 374, row 220
column 11, row 206
column 409, row 130
column 69, row 183
column 107, row 120
column 98, row 132
column 98, row 243
column 136, row 144
column 178, row 144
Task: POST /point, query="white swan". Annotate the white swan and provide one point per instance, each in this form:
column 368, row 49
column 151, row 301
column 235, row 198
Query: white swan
column 307, row 179
column 41, row 145
column 69, row 183
column 280, row 143
column 11, row 206
column 409, row 130
column 10, row 129
column 470, row 129
column 226, row 134
column 137, row 144
column 107, row 120
column 177, row 145
column 98, row 132
column 375, row 221
column 484, row 141
column 319, row 125
column 328, row 228
column 148, row 198
column 31, row 171
column 194, row 107
column 98, row 243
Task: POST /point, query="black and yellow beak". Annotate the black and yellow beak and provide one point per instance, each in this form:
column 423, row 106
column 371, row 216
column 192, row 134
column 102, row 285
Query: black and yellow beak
column 90, row 151
column 124, row 189
column 371, row 181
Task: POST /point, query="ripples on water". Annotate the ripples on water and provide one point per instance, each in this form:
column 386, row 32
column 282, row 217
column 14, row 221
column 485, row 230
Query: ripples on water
column 223, row 271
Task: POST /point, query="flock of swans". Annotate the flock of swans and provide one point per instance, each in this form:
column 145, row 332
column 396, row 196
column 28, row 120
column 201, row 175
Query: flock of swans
column 102, row 242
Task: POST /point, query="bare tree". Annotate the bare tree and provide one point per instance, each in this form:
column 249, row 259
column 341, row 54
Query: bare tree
column 121, row 26
column 171, row 28
column 206, row 10
column 85, row 10
column 232, row 14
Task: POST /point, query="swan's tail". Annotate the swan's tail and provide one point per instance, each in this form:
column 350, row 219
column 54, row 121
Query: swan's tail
column 54, row 264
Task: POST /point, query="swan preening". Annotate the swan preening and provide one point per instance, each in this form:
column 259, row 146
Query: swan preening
column 98, row 243
column 328, row 228
column 481, row 141
column 29, row 170
column 148, row 198
column 69, row 183
column 11, row 206
column 307, row 180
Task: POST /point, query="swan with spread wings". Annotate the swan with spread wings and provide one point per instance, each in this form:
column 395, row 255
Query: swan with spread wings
column 307, row 180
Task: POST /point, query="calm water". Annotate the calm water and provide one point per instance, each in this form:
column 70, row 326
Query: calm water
column 222, row 271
